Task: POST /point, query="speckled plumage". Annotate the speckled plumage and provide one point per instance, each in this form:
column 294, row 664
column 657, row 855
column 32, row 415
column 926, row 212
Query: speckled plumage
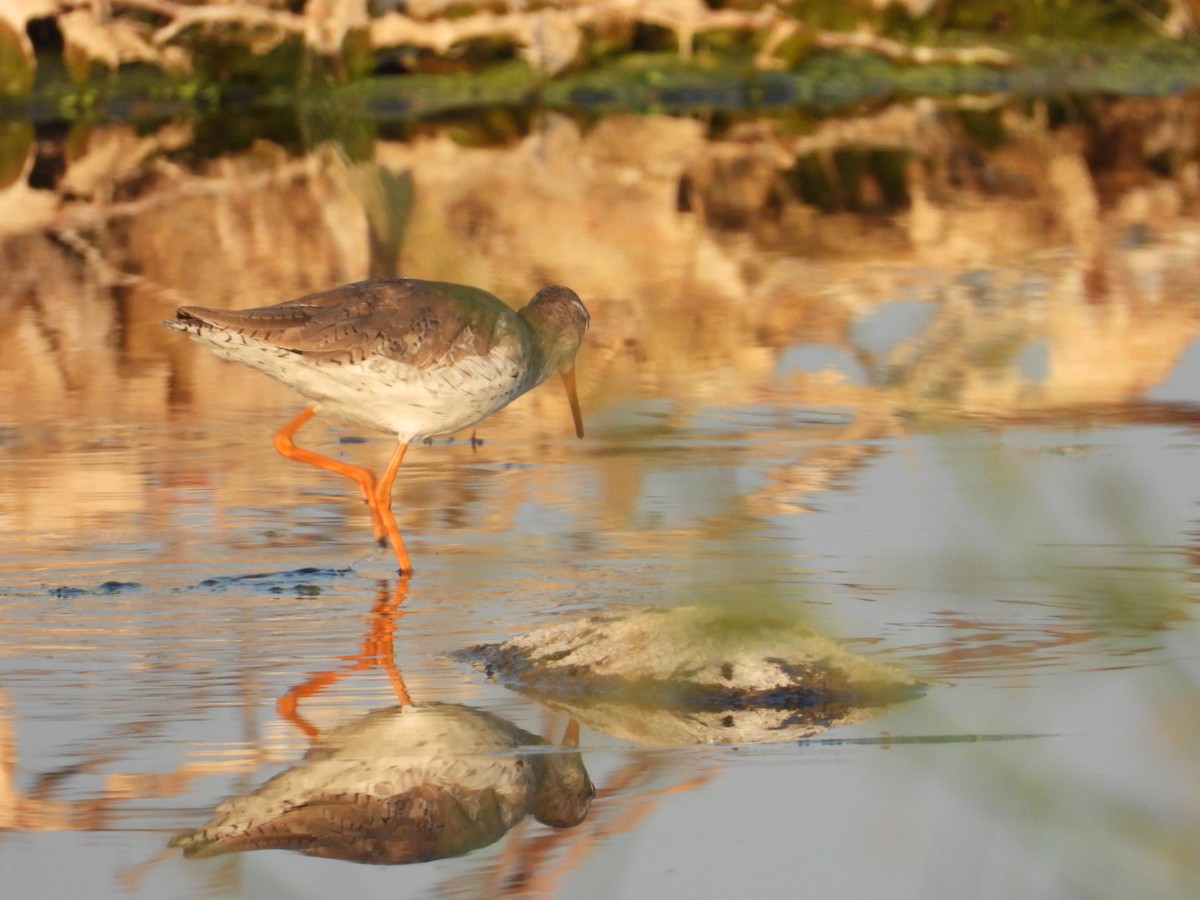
column 413, row 358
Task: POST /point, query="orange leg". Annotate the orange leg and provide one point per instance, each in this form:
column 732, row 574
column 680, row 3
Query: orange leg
column 383, row 507
column 378, row 649
column 378, row 495
column 364, row 478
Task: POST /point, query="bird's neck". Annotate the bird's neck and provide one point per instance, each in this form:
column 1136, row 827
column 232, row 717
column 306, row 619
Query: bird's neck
column 548, row 351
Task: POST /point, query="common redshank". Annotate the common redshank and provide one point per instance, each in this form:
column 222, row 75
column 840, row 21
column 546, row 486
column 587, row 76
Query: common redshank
column 417, row 359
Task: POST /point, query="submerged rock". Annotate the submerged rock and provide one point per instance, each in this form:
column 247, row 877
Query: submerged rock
column 696, row 675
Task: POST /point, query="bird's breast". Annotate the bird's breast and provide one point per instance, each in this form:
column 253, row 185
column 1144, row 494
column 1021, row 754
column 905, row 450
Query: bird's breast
column 393, row 395
column 417, row 402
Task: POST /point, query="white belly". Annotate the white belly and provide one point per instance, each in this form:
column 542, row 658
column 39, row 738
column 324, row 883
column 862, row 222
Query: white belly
column 391, row 396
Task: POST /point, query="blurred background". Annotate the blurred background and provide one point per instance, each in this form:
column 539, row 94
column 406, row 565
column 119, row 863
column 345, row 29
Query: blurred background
column 894, row 329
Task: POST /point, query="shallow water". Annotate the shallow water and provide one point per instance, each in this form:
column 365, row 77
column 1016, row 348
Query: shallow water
column 983, row 474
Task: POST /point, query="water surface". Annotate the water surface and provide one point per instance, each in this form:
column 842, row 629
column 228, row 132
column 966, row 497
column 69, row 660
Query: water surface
column 958, row 437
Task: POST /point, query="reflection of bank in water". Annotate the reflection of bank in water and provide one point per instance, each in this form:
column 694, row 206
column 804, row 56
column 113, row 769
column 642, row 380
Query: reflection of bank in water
column 403, row 784
column 696, row 675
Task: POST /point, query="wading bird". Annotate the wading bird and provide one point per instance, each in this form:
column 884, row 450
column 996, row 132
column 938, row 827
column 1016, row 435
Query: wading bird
column 417, row 359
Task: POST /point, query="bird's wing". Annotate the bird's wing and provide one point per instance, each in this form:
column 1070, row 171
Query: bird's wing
column 418, row 323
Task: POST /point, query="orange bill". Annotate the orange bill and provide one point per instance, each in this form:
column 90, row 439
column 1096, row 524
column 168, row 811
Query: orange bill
column 568, row 377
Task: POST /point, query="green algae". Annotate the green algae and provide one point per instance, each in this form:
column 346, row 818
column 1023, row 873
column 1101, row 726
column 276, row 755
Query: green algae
column 262, row 95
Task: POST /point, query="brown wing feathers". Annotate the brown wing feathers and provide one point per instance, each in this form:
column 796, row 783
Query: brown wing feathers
column 350, row 324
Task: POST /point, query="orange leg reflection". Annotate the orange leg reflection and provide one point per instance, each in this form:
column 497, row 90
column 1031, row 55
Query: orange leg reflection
column 377, row 650
column 378, row 495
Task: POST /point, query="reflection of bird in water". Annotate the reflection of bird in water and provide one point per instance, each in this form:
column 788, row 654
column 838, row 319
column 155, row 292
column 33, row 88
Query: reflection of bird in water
column 403, row 784
column 407, row 783
column 414, row 358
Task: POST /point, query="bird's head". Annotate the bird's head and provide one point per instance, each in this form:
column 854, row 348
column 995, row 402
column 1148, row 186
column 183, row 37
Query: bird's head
column 559, row 319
